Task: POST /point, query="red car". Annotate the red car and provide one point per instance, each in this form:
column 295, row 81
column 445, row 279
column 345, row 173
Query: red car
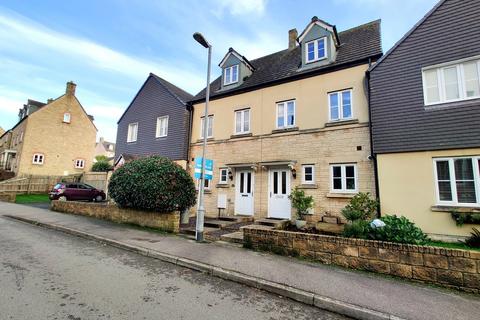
column 76, row 191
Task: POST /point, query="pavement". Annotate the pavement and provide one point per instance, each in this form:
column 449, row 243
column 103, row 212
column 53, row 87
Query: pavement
column 53, row 275
column 356, row 294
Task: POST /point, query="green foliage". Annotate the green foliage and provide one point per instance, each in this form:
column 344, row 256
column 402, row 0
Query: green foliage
column 32, row 198
column 398, row 229
column 101, row 166
column 152, row 184
column 474, row 240
column 357, row 229
column 361, row 207
column 101, row 157
column 301, row 202
column 463, row 217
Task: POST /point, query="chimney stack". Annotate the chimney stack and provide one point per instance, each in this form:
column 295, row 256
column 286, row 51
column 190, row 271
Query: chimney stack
column 71, row 88
column 292, row 39
column 50, row 100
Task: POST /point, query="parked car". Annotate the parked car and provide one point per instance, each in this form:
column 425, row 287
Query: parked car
column 76, row 191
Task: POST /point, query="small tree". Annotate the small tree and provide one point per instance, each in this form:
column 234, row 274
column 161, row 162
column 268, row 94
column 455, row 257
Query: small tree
column 153, row 184
column 101, row 157
column 101, row 166
column 301, row 202
column 358, row 212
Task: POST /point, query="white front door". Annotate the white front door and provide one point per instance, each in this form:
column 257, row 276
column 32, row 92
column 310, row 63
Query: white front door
column 279, row 205
column 244, row 192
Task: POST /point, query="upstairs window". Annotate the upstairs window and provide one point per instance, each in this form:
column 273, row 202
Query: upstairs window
column 209, row 127
column 162, row 127
column 242, row 121
column 458, row 181
column 230, row 75
column 340, row 105
column 452, row 82
column 79, row 164
column 343, row 178
column 132, row 132
column 38, row 158
column 286, row 114
column 66, row 117
column 316, row 50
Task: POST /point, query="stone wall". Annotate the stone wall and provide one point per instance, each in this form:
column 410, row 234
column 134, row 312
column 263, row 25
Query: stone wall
column 459, row 269
column 169, row 222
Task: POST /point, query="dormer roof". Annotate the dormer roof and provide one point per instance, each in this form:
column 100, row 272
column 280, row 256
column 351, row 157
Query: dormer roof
column 316, row 21
column 232, row 51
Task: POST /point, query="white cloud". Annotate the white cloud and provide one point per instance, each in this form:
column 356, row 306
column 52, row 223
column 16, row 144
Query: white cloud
column 241, row 7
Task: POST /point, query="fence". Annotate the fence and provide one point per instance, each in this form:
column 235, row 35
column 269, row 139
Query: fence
column 98, row 180
column 34, row 184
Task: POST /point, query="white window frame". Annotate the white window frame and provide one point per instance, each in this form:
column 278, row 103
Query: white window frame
column 285, row 114
column 210, row 120
column 208, row 184
column 230, row 80
column 130, row 137
column 459, row 64
column 343, row 178
column 304, row 181
column 38, row 158
column 158, row 131
column 220, row 181
column 453, row 185
column 79, row 163
column 67, row 117
column 315, row 50
column 242, row 121
column 341, row 117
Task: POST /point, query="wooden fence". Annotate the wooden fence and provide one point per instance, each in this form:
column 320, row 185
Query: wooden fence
column 31, row 184
column 98, row 180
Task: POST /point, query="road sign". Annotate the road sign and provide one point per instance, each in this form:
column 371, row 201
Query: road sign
column 208, row 168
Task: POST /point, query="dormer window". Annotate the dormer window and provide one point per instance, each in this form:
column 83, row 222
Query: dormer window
column 230, row 75
column 316, row 50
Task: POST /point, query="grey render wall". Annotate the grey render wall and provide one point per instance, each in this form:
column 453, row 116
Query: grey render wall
column 151, row 102
column 400, row 120
column 317, row 32
column 243, row 71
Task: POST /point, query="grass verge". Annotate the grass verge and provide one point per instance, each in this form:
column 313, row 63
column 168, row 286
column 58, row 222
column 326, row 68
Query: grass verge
column 32, row 198
column 450, row 245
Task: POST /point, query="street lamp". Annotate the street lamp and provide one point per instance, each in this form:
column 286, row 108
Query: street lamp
column 201, row 190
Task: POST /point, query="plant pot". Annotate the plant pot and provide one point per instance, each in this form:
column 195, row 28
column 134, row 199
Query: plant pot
column 300, row 223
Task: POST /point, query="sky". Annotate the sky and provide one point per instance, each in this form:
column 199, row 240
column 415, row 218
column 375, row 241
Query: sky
column 109, row 47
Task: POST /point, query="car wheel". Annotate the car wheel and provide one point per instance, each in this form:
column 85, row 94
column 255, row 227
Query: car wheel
column 62, row 198
column 98, row 199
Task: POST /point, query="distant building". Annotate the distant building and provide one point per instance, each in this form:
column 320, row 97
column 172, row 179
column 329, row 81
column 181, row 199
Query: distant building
column 53, row 138
column 105, row 148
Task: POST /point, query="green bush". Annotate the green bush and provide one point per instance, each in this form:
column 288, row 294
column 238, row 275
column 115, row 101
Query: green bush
column 398, row 229
column 359, row 229
column 101, row 157
column 153, row 184
column 301, row 202
column 474, row 240
column 101, row 166
column 360, row 207
column 461, row 218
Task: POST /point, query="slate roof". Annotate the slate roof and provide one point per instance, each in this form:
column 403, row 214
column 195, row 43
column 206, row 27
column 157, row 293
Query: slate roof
column 180, row 94
column 356, row 45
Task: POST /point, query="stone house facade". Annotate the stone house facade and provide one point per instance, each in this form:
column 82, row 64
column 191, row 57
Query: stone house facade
column 295, row 118
column 53, row 139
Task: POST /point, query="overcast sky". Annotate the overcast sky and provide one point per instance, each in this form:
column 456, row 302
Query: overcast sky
column 109, row 47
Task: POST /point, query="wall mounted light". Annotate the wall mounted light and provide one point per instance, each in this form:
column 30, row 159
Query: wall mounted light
column 294, row 173
column 230, row 175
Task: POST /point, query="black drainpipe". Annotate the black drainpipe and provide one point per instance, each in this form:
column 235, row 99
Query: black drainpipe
column 189, row 133
column 372, row 154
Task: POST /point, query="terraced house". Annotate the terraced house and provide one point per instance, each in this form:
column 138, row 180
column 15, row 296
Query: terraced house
column 425, row 104
column 297, row 117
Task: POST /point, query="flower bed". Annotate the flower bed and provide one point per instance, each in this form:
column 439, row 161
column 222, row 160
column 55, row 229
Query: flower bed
column 454, row 268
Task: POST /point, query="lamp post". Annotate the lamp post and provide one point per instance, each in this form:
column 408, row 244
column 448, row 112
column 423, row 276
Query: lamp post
column 201, row 190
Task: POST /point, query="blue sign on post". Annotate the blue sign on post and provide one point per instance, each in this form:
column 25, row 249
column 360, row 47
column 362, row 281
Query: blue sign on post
column 208, row 168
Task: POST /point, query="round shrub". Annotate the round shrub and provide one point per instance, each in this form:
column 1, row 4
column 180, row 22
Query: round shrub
column 400, row 230
column 153, row 184
column 101, row 166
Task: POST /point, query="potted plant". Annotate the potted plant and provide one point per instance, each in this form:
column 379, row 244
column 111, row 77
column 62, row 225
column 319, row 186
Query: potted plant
column 302, row 203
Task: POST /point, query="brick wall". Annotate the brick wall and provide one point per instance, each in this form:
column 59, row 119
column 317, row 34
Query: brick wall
column 453, row 268
column 169, row 222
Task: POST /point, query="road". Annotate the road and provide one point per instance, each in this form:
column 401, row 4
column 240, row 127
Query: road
column 46, row 274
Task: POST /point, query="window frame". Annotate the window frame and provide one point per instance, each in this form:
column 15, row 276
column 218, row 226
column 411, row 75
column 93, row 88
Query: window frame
column 340, row 105
column 201, row 126
column 344, row 178
column 205, row 181
column 304, row 181
column 129, row 135
column 158, row 133
column 315, row 50
column 230, row 80
column 461, row 83
column 69, row 117
column 38, row 161
column 285, row 114
column 220, row 181
column 242, row 121
column 453, row 180
column 76, row 163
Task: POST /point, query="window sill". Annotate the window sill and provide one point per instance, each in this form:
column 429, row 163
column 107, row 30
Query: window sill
column 308, row 186
column 443, row 208
column 341, row 123
column 240, row 135
column 222, row 185
column 449, row 104
column 208, row 139
column 340, row 195
column 285, row 130
column 206, row 191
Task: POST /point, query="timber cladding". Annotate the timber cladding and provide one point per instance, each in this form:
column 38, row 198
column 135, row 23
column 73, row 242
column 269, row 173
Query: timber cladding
column 453, row 268
column 169, row 222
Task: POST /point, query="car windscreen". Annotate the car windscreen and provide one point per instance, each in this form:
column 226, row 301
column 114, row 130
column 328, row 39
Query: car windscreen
column 88, row 186
column 58, row 186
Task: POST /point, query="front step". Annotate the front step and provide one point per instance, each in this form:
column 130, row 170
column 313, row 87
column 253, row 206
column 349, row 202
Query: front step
column 235, row 237
column 275, row 223
column 192, row 231
column 219, row 224
column 237, row 218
